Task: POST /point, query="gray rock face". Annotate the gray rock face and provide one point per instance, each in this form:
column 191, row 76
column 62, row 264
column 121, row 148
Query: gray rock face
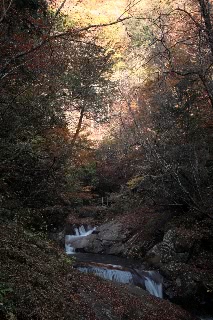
column 109, row 238
column 82, row 242
column 175, row 247
column 172, row 257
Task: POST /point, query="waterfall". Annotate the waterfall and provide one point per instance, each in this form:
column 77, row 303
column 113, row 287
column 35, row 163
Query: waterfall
column 154, row 287
column 152, row 281
column 109, row 274
column 79, row 232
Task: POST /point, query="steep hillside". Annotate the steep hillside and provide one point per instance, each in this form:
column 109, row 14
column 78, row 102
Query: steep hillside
column 38, row 282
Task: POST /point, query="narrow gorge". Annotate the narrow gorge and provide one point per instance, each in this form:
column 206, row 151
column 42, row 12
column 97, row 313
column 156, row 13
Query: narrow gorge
column 106, row 160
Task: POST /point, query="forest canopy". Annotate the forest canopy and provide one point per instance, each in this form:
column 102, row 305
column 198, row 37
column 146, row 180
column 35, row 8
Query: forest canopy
column 139, row 73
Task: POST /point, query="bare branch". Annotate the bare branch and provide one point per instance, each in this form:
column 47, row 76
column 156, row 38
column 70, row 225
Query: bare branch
column 129, row 7
column 69, row 33
column 198, row 25
column 5, row 10
column 208, row 23
column 60, row 7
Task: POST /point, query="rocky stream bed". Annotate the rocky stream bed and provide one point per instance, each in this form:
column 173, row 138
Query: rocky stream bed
column 181, row 255
column 156, row 252
column 39, row 282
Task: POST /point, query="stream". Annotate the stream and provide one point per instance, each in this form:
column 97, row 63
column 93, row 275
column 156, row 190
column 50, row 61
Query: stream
column 111, row 267
column 114, row 268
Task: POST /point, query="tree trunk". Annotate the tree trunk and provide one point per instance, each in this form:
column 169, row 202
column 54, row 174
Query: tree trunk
column 78, row 129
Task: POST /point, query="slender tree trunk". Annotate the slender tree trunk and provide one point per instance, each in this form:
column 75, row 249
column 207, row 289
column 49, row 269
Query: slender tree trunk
column 78, row 129
column 208, row 91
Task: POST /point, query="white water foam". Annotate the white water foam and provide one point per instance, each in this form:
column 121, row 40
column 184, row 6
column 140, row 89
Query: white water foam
column 80, row 232
column 109, row 274
column 154, row 288
column 150, row 280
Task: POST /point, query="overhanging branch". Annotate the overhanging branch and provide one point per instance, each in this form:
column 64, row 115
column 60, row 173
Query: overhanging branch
column 75, row 33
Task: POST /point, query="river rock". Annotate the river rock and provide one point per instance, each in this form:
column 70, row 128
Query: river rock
column 83, row 242
column 45, row 286
column 176, row 246
column 175, row 258
column 111, row 231
column 109, row 238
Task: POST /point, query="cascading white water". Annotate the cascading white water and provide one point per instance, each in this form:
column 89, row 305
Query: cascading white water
column 154, row 288
column 109, row 274
column 149, row 280
column 80, row 232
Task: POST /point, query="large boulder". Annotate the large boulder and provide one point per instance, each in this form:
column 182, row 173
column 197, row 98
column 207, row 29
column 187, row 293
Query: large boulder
column 130, row 235
column 177, row 258
column 176, row 246
column 109, row 238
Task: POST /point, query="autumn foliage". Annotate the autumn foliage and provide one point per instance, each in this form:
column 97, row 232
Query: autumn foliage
column 161, row 134
column 52, row 77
